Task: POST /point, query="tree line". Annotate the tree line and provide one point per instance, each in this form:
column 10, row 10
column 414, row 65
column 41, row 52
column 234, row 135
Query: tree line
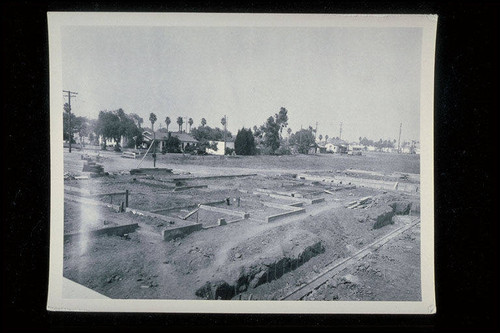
column 268, row 138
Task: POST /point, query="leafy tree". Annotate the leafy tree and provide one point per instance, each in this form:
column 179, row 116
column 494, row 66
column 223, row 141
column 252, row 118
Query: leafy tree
column 128, row 128
column 257, row 132
column 244, row 144
column 180, row 121
column 172, row 145
column 108, row 126
column 190, row 122
column 281, row 119
column 113, row 125
column 223, row 121
column 137, row 119
column 205, row 134
column 67, row 119
column 167, row 121
column 289, row 131
column 203, row 122
column 303, row 139
column 209, row 134
column 320, row 137
column 67, row 133
column 271, row 131
column 379, row 144
column 82, row 127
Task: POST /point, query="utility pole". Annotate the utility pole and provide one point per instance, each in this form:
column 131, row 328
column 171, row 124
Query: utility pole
column 225, row 126
column 340, row 136
column 399, row 139
column 70, row 94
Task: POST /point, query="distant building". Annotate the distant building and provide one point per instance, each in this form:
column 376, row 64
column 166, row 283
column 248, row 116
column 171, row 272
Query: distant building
column 322, row 149
column 412, row 147
column 220, row 147
column 111, row 142
column 389, row 150
column 336, row 146
column 161, row 137
column 355, row 150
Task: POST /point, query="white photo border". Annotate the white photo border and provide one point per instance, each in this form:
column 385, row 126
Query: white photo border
column 89, row 302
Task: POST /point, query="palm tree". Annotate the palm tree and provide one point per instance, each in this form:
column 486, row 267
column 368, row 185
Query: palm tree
column 223, row 122
column 180, row 121
column 152, row 119
column 203, row 122
column 167, row 121
column 190, row 122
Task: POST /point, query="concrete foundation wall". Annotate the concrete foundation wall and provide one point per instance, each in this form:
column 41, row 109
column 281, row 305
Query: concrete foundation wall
column 372, row 183
column 79, row 199
column 150, row 171
column 169, row 234
column 188, row 206
column 183, row 188
column 280, row 206
column 225, row 211
column 276, row 217
column 215, row 177
column 118, row 231
column 316, row 200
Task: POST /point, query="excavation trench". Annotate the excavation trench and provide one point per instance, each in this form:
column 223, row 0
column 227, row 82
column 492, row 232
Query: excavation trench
column 251, row 276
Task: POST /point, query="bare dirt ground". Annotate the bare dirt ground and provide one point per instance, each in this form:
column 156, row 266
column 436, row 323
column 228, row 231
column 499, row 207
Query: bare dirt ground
column 249, row 259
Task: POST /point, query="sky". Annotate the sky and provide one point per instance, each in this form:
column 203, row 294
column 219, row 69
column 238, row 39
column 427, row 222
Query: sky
column 368, row 79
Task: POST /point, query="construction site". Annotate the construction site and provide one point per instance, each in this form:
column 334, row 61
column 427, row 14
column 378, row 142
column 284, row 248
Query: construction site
column 324, row 228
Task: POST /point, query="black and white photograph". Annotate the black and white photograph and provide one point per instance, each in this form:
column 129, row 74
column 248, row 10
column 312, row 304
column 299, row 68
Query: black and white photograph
column 246, row 163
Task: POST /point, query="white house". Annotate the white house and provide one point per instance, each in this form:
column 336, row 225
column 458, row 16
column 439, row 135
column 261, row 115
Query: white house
column 111, row 142
column 355, row 150
column 336, row 146
column 220, row 147
column 160, row 137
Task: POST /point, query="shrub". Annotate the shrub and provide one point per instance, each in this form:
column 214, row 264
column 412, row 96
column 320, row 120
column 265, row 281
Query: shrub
column 244, row 144
column 283, row 151
column 171, row 145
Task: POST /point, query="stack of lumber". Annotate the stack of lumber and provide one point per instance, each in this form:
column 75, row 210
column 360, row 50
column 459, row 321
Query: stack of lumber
column 365, row 202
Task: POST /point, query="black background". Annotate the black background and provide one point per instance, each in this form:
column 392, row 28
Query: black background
column 466, row 166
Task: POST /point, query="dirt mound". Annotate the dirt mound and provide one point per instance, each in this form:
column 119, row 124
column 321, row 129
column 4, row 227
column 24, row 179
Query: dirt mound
column 401, row 207
column 261, row 259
